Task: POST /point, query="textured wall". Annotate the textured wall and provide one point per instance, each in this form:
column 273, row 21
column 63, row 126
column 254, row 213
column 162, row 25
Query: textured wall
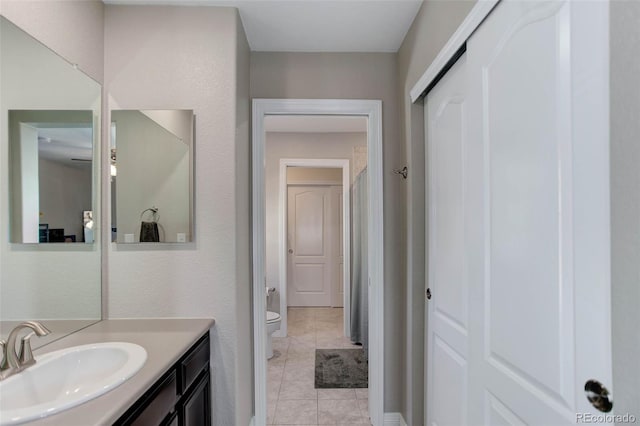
column 73, row 29
column 625, row 203
column 187, row 58
column 435, row 23
column 244, row 317
column 356, row 76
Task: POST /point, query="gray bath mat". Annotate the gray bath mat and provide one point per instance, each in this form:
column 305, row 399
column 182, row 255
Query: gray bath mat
column 341, row 368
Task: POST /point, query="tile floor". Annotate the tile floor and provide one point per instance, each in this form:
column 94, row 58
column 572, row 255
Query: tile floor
column 291, row 395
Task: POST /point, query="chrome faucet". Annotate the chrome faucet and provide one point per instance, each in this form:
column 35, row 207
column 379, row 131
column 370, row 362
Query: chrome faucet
column 14, row 362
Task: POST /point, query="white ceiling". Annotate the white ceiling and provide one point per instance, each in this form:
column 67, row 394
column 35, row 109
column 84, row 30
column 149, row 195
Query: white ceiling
column 315, row 124
column 71, row 146
column 316, row 25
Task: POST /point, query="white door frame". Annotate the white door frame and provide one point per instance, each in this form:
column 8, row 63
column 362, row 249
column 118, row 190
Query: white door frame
column 372, row 109
column 476, row 16
column 282, row 235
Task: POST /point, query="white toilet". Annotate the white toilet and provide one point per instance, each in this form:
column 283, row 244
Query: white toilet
column 273, row 325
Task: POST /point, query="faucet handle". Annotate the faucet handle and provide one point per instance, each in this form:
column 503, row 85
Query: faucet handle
column 25, row 355
column 13, row 359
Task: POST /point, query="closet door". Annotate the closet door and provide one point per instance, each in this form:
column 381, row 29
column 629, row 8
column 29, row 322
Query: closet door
column 446, row 119
column 538, row 243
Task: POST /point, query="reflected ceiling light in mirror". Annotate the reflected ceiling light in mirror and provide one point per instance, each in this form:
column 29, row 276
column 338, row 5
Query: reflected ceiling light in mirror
column 114, row 171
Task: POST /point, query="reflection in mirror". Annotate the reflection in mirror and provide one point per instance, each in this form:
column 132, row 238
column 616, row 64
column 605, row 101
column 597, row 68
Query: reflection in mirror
column 51, row 157
column 48, row 187
column 152, row 176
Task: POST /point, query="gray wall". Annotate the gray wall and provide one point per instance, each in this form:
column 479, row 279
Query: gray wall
column 65, row 192
column 73, row 29
column 356, row 76
column 304, row 175
column 243, row 279
column 159, row 57
column 625, row 203
column 435, row 23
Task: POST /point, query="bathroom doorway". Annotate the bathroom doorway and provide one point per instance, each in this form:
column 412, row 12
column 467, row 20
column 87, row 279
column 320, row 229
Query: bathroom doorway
column 314, row 267
column 314, row 219
column 315, row 321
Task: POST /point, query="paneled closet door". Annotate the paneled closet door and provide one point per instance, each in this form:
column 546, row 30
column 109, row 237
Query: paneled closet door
column 446, row 120
column 538, row 244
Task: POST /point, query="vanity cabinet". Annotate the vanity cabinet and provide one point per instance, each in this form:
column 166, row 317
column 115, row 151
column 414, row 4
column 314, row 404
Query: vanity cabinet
column 181, row 397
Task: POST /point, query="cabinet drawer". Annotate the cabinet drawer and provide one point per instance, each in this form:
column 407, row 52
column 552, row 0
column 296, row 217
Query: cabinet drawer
column 161, row 403
column 196, row 360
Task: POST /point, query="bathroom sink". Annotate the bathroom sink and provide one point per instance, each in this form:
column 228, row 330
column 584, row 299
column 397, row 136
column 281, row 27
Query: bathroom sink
column 66, row 378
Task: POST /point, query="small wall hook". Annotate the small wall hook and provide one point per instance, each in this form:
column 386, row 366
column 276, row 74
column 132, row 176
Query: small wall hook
column 404, row 172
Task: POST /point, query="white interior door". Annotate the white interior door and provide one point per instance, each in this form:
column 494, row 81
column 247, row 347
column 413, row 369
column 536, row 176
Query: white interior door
column 519, row 319
column 539, row 273
column 310, row 229
column 448, row 324
column 337, row 293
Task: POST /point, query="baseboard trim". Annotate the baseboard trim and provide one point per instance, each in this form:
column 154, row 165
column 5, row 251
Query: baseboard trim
column 390, row 419
column 394, row 419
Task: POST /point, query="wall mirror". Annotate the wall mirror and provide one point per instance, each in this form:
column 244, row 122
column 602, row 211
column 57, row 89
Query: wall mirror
column 50, row 176
column 49, row 188
column 152, row 176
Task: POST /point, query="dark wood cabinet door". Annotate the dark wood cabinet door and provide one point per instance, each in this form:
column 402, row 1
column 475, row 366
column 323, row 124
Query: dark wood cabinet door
column 182, row 397
column 172, row 420
column 196, row 407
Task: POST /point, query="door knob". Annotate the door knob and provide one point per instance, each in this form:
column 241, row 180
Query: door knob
column 598, row 395
column 290, row 251
column 428, row 293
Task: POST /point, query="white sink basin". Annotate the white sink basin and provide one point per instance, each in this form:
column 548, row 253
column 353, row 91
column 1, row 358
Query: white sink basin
column 66, row 378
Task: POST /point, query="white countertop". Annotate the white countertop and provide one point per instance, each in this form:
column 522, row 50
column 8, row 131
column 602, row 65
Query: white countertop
column 165, row 341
